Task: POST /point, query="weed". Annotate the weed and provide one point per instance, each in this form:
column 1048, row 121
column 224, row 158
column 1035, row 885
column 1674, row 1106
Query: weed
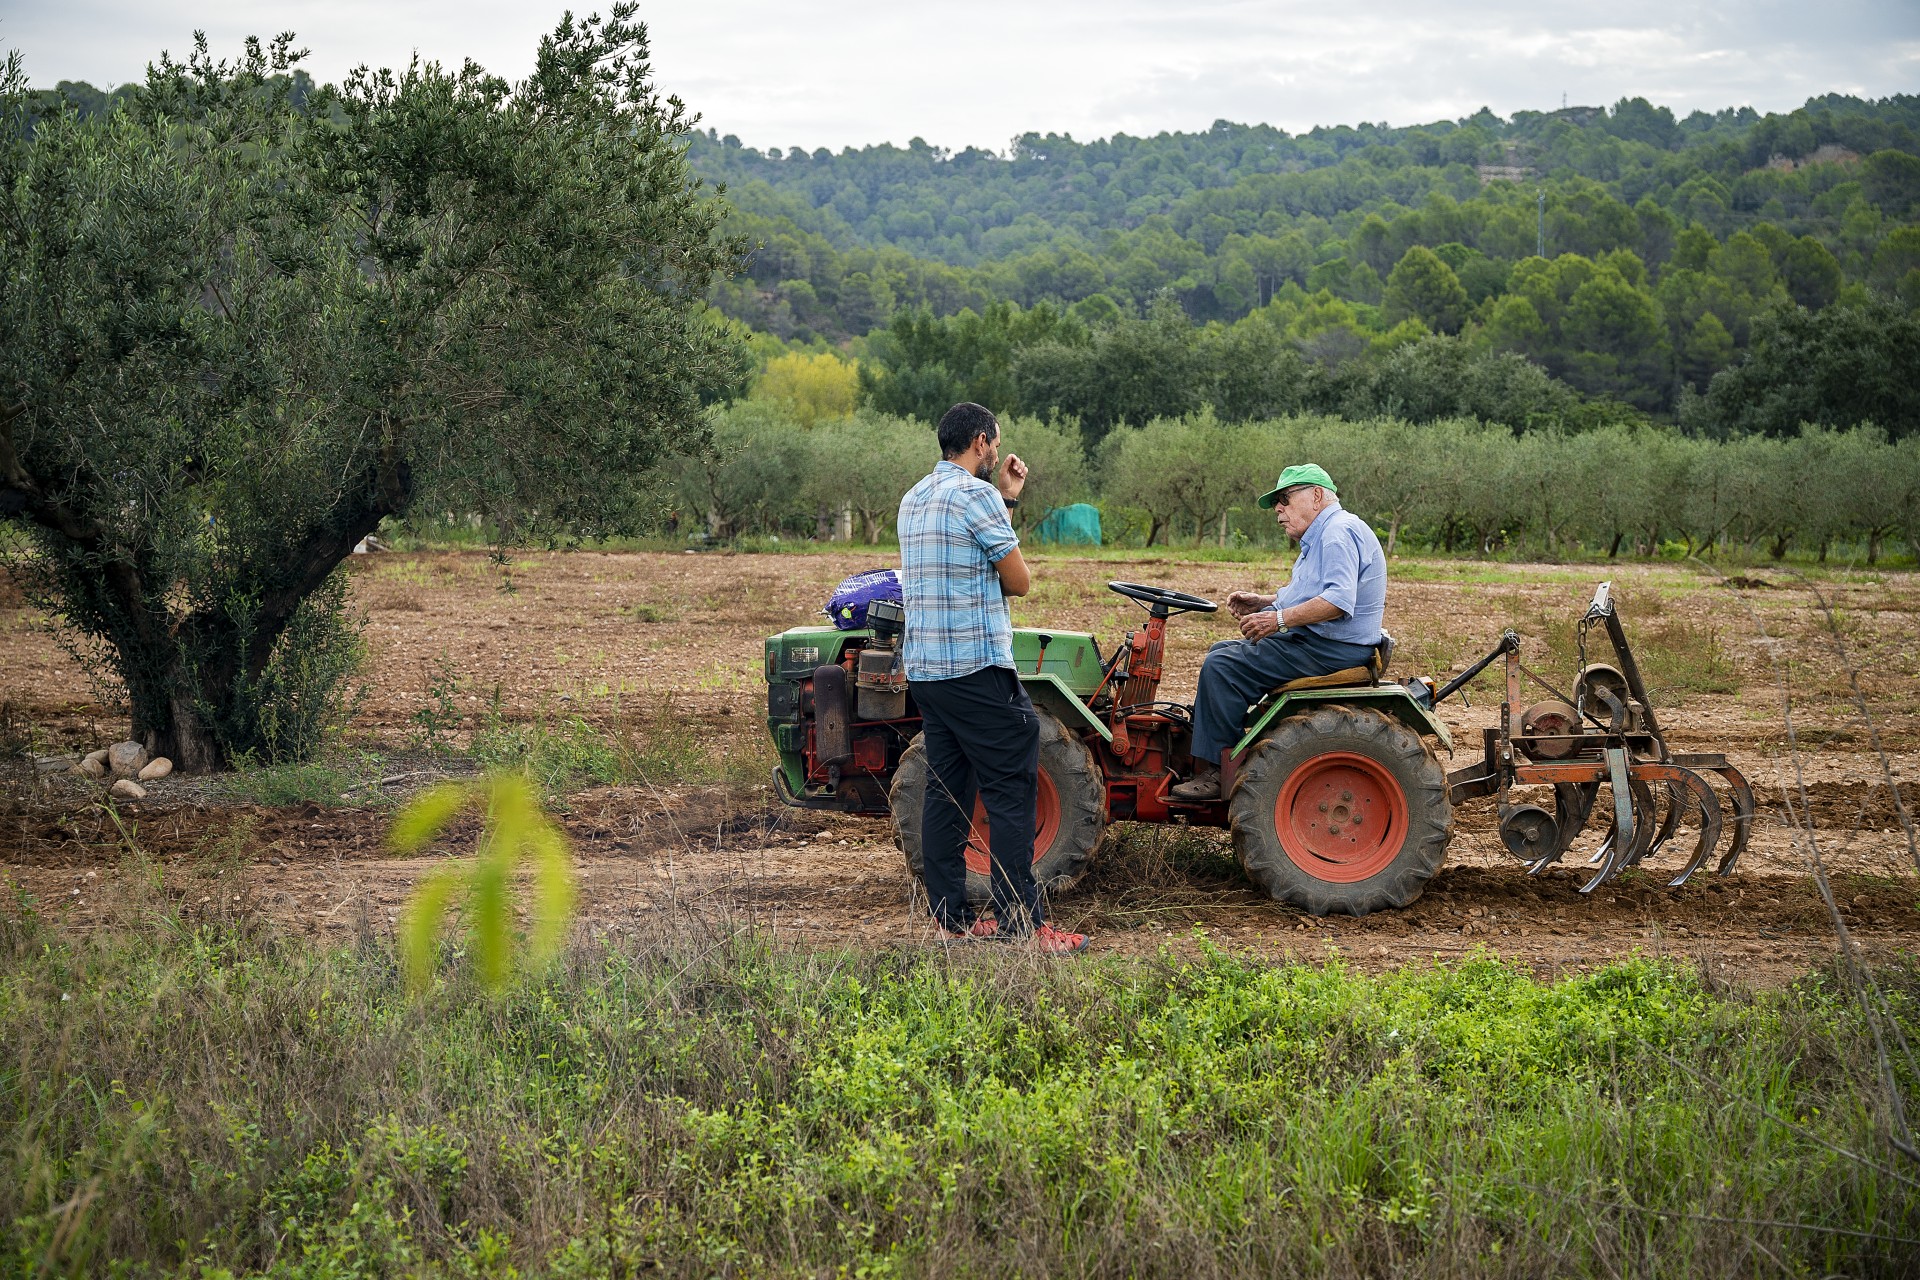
column 560, row 753
column 648, row 613
column 200, row 1101
column 439, row 714
column 333, row 780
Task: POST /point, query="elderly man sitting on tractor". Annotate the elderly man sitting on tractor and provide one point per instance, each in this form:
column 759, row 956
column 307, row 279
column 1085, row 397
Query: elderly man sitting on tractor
column 1326, row 619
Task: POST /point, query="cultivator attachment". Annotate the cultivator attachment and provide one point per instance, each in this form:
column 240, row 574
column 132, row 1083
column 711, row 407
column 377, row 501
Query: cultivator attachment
column 1605, row 734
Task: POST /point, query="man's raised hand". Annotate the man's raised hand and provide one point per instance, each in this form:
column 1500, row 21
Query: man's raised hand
column 1013, row 476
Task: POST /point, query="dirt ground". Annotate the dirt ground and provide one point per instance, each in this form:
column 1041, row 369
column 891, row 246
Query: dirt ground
column 1760, row 668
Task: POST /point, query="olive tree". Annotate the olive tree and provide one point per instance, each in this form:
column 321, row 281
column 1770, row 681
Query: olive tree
column 238, row 332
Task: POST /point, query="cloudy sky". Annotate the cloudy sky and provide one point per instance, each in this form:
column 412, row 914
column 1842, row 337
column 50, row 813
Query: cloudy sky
column 860, row 71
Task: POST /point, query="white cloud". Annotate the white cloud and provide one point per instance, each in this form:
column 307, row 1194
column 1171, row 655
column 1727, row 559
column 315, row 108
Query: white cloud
column 957, row 74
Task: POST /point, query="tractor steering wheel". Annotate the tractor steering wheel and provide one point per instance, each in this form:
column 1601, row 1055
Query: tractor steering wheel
column 1161, row 601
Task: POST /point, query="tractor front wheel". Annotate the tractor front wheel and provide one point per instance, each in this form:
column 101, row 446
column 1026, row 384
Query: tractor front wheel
column 1070, row 813
column 1341, row 809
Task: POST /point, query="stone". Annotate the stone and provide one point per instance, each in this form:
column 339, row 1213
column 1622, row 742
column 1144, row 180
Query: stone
column 126, row 759
column 128, row 789
column 56, row 764
column 94, row 766
column 158, row 767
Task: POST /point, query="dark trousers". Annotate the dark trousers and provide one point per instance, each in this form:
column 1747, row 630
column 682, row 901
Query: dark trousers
column 982, row 739
column 1237, row 674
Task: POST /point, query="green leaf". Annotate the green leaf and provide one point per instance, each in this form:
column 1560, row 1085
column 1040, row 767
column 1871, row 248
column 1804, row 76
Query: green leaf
column 429, row 813
column 420, row 926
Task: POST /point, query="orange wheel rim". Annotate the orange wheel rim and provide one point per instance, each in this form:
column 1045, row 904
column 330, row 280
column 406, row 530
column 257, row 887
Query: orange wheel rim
column 1046, row 825
column 1341, row 817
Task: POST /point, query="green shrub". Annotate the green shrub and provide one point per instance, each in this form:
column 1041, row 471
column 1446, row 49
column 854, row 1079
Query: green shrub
column 691, row 1106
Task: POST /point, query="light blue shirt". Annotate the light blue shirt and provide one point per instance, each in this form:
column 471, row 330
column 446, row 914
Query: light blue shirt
column 1341, row 562
column 953, row 530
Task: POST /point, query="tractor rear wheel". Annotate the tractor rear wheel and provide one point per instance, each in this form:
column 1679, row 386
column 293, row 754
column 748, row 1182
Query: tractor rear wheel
column 1341, row 809
column 1070, row 813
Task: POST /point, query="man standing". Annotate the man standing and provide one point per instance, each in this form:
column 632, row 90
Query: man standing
column 1326, row 619
column 959, row 561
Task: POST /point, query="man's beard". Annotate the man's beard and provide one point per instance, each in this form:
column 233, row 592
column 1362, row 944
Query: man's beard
column 985, row 470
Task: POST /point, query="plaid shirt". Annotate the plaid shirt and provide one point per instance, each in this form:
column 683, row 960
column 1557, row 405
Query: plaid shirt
column 953, row 530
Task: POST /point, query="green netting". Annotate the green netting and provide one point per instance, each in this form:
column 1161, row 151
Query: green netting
column 1077, row 523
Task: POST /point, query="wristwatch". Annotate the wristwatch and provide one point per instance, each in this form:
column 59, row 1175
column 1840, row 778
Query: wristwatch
column 1011, row 502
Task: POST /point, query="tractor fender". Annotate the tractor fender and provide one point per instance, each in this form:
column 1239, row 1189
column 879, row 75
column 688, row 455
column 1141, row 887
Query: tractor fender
column 1389, row 699
column 1051, row 692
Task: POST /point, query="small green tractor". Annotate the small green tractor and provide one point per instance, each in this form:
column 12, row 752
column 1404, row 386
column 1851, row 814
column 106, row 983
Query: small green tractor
column 1335, row 795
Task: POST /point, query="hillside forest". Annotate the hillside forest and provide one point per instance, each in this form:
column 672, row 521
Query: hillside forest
column 1626, row 255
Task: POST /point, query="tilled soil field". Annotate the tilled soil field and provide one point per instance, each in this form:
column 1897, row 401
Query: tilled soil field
column 1774, row 670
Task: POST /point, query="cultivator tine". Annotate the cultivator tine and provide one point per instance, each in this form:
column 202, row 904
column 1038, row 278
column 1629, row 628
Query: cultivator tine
column 1743, row 813
column 1624, row 834
column 1744, row 808
column 1710, row 825
column 1670, row 819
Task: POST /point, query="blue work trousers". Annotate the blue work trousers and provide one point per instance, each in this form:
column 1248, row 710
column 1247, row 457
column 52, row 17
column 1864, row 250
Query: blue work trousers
column 1238, row 674
column 982, row 739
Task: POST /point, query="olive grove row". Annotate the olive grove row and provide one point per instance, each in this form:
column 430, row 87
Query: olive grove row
column 1457, row 486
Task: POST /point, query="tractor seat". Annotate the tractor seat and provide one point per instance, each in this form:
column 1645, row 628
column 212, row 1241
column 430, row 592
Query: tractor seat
column 1347, row 677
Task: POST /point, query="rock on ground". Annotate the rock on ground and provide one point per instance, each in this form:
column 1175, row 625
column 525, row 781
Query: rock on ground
column 126, row 759
column 94, row 766
column 128, row 789
column 158, row 767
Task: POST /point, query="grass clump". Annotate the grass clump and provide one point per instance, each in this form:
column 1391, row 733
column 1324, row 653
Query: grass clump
column 334, row 780
column 188, row 1100
column 565, row 752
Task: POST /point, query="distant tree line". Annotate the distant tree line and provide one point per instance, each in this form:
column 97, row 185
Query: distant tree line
column 1455, row 485
column 1665, row 240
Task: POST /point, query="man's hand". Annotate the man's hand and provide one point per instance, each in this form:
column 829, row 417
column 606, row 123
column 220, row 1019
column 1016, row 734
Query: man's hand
column 1260, row 624
column 1013, row 476
column 1242, row 603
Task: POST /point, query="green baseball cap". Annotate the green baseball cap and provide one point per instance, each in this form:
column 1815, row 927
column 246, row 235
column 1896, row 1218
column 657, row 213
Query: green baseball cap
column 1299, row 473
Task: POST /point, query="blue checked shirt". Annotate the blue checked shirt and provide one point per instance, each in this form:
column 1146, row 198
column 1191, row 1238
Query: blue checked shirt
column 1340, row 560
column 953, row 530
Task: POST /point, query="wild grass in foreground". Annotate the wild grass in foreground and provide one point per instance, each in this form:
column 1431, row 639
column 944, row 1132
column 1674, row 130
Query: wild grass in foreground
column 699, row 1105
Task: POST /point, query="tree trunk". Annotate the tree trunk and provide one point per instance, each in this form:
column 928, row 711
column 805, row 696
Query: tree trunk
column 1613, row 548
column 1223, row 528
column 188, row 740
column 1393, row 533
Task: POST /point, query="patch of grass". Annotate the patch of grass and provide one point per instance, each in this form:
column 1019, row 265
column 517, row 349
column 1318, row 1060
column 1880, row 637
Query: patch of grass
column 560, row 753
column 565, row 752
column 1681, row 657
column 192, row 1098
column 331, row 781
column 649, row 613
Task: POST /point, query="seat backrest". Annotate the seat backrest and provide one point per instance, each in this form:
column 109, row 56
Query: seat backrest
column 1382, row 655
